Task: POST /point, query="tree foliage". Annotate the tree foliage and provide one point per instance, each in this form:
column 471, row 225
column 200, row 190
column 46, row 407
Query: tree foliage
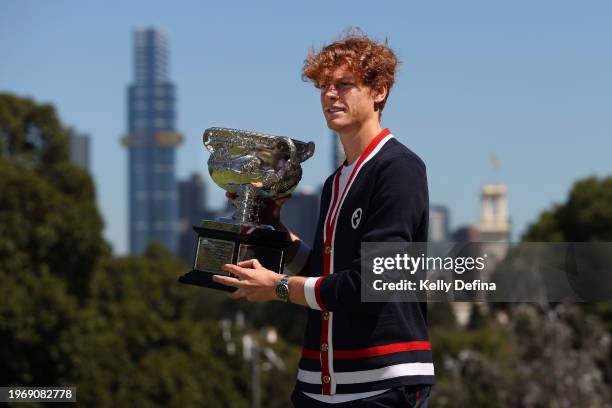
column 526, row 355
column 585, row 216
column 49, row 221
column 120, row 329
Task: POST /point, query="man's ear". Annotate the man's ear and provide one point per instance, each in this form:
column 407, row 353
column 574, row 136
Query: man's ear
column 379, row 94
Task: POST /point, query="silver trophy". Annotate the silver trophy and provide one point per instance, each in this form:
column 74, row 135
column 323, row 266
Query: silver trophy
column 254, row 166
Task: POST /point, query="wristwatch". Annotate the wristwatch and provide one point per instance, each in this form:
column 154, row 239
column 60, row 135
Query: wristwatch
column 282, row 289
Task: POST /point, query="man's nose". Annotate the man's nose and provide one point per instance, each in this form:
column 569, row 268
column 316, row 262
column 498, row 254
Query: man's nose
column 331, row 92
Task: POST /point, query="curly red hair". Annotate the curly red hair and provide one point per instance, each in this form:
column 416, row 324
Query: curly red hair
column 374, row 64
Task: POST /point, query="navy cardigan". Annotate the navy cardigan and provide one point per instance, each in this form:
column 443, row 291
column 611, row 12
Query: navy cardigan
column 350, row 346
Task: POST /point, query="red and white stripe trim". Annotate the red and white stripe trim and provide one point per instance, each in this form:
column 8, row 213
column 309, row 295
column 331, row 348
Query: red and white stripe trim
column 312, row 286
column 365, row 376
column 309, row 293
column 374, row 351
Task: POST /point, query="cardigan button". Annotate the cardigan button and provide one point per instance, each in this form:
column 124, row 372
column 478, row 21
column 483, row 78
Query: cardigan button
column 324, row 347
column 325, row 315
column 328, row 250
column 326, row 379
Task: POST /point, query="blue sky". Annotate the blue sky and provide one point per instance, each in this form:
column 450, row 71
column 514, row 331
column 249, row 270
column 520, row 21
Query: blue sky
column 527, row 80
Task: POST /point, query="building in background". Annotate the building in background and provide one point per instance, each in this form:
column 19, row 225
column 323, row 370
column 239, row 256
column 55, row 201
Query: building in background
column 301, row 212
column 494, row 219
column 494, row 225
column 438, row 223
column 151, row 141
column 192, row 209
column 465, row 233
column 79, row 148
column 491, row 236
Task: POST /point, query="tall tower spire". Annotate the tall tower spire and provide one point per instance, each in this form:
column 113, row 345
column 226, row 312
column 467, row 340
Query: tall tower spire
column 151, row 141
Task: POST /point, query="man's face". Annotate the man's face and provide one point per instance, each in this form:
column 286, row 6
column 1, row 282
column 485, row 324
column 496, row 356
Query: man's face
column 346, row 103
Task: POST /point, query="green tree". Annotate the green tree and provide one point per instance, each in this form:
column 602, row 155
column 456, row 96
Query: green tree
column 524, row 355
column 535, row 357
column 585, row 216
column 31, row 133
column 50, row 242
column 120, row 329
column 35, row 313
column 49, row 221
column 137, row 344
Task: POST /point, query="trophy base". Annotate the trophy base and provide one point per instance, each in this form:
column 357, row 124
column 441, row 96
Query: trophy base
column 220, row 243
column 204, row 279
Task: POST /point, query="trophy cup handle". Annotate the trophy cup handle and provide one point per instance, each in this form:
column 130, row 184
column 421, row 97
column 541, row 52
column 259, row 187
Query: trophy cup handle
column 272, row 178
column 292, row 155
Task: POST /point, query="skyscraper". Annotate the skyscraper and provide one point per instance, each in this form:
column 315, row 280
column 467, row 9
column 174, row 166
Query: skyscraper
column 438, row 223
column 151, row 143
column 79, row 148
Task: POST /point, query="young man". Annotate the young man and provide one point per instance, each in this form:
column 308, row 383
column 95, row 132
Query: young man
column 355, row 354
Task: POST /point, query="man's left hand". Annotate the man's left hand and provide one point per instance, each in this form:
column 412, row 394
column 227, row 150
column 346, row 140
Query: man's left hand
column 254, row 282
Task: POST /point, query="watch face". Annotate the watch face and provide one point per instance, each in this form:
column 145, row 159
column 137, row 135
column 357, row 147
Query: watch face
column 282, row 291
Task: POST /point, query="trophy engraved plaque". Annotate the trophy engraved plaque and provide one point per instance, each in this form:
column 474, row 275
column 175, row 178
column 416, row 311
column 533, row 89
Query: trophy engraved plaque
column 254, row 167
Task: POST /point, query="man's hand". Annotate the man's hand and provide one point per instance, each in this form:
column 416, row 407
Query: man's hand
column 254, row 282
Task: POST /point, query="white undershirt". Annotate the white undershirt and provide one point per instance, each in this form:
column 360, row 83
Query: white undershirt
column 345, row 173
